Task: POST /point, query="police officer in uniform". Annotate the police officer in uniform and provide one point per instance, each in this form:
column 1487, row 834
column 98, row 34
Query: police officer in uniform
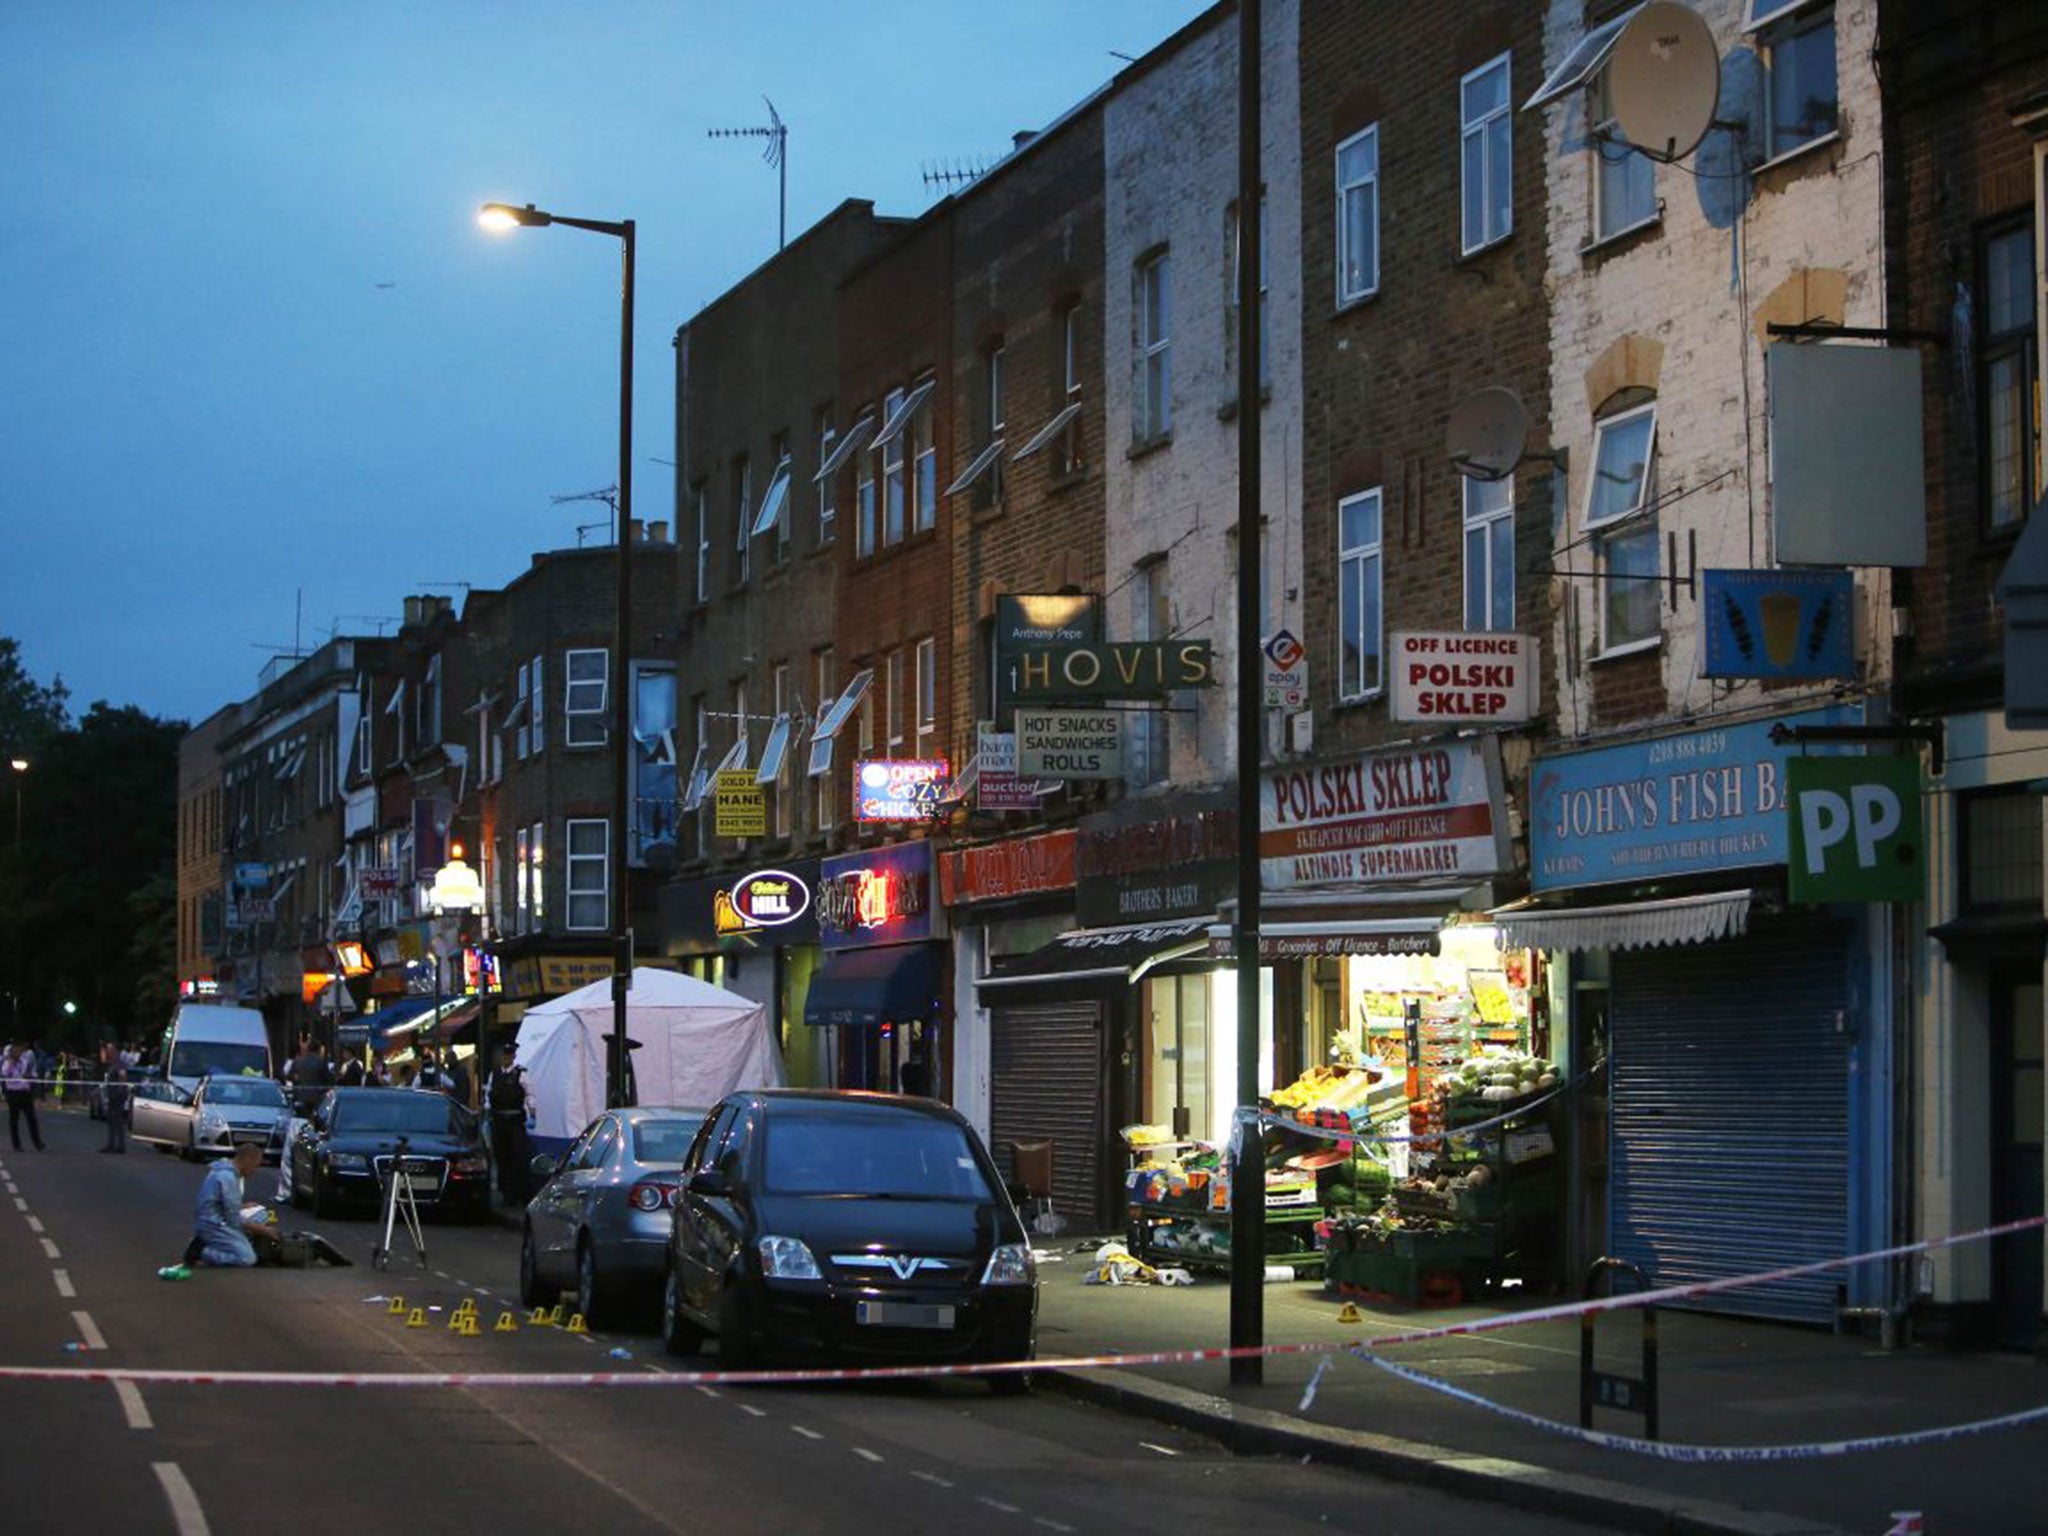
column 509, row 1102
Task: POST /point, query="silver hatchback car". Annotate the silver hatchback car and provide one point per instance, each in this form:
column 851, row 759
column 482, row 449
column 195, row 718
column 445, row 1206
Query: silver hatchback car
column 600, row 1222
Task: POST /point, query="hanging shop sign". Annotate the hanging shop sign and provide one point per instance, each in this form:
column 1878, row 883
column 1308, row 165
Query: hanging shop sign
column 378, row 880
column 899, row 789
column 877, row 896
column 1779, row 624
column 1286, row 671
column 1696, row 803
column 1411, row 813
column 1455, row 676
column 998, row 786
column 1112, row 669
column 1070, row 743
column 1855, row 829
column 1030, row 621
column 740, row 806
column 763, row 909
column 552, row 975
column 1180, row 862
column 1018, row 866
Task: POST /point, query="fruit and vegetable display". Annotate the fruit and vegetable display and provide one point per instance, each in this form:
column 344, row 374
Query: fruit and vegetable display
column 1495, row 1075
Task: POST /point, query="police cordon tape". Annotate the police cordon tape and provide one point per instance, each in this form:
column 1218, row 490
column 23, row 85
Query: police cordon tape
column 1362, row 1347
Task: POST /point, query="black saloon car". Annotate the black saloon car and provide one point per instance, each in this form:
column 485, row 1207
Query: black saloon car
column 860, row 1226
column 341, row 1154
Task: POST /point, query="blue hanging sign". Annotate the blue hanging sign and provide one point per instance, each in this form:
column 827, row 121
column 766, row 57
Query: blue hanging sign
column 1780, row 624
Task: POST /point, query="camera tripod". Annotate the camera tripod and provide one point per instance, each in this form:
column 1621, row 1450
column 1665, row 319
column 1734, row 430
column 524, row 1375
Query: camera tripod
column 400, row 1207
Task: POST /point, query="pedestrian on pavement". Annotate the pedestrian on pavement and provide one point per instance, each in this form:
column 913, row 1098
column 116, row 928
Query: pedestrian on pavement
column 18, row 1083
column 219, row 1234
column 509, row 1102
column 115, row 1091
column 353, row 1073
column 429, row 1074
column 455, row 1078
column 310, row 1078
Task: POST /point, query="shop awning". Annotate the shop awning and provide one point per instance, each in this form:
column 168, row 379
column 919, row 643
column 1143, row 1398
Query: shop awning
column 1635, row 925
column 398, row 1018
column 1104, row 954
column 866, row 986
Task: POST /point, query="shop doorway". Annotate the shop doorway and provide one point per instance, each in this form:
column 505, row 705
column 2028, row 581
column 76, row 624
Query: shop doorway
column 2017, row 1088
column 1177, row 1055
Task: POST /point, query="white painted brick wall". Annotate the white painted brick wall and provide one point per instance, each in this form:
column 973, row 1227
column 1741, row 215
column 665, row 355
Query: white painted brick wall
column 1170, row 146
column 1686, row 286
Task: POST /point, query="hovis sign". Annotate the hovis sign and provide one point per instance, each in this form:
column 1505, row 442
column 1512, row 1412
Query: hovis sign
column 1070, row 743
column 1463, row 677
column 1855, row 833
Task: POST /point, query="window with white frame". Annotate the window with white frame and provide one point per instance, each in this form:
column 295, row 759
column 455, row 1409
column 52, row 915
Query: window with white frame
column 774, row 516
column 1486, row 154
column 703, row 505
column 1358, row 216
column 1802, row 98
column 1151, row 619
column 1068, row 455
column 1360, row 611
column 1624, row 182
column 364, row 728
column 2008, row 376
column 927, row 696
column 522, row 857
column 866, row 715
column 924, row 466
column 896, row 697
column 775, row 756
column 537, row 874
column 894, row 486
column 828, row 485
column 1621, row 518
column 539, row 704
column 589, row 900
column 743, row 518
column 1236, row 244
column 395, row 708
column 490, row 759
column 824, row 807
column 584, row 697
column 429, row 721
column 864, row 505
column 1152, row 414
column 1489, row 552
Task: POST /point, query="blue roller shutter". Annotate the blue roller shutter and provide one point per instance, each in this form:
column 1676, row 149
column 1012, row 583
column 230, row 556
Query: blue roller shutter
column 1730, row 1114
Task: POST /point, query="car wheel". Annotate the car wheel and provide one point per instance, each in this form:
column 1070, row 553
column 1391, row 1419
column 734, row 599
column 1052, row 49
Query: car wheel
column 679, row 1336
column 738, row 1349
column 189, row 1153
column 530, row 1292
column 591, row 1299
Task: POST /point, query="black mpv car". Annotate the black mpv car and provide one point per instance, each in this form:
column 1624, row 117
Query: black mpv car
column 340, row 1156
column 862, row 1226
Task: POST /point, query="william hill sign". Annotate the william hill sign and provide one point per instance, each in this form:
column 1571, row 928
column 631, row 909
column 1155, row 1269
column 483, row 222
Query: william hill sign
column 1112, row 669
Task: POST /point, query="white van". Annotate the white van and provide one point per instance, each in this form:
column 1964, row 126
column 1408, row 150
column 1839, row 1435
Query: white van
column 209, row 1038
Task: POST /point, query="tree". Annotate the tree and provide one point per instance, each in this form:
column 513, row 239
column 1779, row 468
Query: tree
column 30, row 712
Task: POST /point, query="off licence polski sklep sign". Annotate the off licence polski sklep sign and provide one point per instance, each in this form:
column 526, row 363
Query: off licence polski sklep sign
column 1444, row 676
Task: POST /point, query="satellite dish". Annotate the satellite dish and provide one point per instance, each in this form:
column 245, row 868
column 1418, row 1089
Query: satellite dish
column 1486, row 433
column 1664, row 80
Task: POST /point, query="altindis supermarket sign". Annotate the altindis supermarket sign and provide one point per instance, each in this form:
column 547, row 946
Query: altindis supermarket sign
column 1409, row 814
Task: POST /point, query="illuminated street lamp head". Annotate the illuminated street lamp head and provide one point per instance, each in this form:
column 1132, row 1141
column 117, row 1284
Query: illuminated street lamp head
column 18, row 764
column 505, row 216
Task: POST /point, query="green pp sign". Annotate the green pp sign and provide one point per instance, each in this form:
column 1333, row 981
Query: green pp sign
column 1856, row 832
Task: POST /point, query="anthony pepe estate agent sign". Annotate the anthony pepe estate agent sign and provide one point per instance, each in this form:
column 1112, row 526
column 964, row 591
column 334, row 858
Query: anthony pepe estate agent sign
column 1408, row 814
column 1699, row 802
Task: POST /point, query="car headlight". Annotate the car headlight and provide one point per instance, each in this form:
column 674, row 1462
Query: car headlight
column 212, row 1125
column 1010, row 1264
column 787, row 1258
column 348, row 1162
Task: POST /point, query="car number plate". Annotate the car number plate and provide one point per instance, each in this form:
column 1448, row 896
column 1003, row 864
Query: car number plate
column 901, row 1314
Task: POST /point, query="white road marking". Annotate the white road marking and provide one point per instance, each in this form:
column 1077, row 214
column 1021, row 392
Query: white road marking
column 711, row 1391
column 90, row 1330
column 64, row 1285
column 808, row 1434
column 35, row 1223
column 1161, row 1449
column 1000, row 1506
column 133, row 1405
column 933, row 1478
column 1050, row 1525
column 185, row 1510
column 20, row 1204
column 50, row 1250
column 866, row 1455
column 759, row 1413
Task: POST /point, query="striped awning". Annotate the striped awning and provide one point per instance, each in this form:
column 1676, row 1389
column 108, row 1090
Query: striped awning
column 1634, row 925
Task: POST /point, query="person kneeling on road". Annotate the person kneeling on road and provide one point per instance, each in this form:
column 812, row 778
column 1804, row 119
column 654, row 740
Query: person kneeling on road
column 220, row 1236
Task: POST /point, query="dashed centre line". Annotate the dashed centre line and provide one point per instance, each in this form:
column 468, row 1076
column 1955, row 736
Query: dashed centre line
column 50, row 1250
column 867, row 1455
column 89, row 1330
column 749, row 1408
column 808, row 1434
column 933, row 1478
column 133, row 1406
column 20, row 1204
column 64, row 1285
column 999, row 1506
column 35, row 1224
column 185, row 1511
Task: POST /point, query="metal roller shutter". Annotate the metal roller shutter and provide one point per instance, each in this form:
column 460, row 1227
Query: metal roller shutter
column 1046, row 1081
column 1730, row 1115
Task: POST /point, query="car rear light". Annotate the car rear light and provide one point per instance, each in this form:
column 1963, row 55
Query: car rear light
column 652, row 1195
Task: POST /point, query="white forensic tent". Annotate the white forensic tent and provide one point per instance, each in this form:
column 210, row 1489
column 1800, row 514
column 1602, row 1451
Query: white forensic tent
column 690, row 1043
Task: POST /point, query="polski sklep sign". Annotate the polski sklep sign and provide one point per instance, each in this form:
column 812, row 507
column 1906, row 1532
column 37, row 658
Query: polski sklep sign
column 1405, row 815
column 1455, row 676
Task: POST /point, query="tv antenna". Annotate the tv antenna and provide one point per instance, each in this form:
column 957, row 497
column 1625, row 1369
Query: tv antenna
column 960, row 173
column 608, row 494
column 776, row 154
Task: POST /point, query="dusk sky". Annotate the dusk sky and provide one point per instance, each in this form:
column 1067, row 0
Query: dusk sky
column 265, row 376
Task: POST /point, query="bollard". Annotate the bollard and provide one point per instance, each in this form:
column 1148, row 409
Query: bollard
column 540, row 1318
column 576, row 1324
column 397, row 1307
column 1348, row 1313
column 560, row 1315
column 417, row 1318
column 506, row 1323
column 1630, row 1394
column 470, row 1328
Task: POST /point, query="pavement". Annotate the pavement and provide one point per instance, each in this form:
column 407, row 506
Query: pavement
column 1723, row 1383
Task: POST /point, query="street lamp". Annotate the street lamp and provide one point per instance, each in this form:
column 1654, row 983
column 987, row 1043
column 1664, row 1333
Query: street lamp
column 20, row 767
column 505, row 216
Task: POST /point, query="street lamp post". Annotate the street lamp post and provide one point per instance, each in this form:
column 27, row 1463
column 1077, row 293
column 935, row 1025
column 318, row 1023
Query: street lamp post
column 506, row 216
column 20, row 767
